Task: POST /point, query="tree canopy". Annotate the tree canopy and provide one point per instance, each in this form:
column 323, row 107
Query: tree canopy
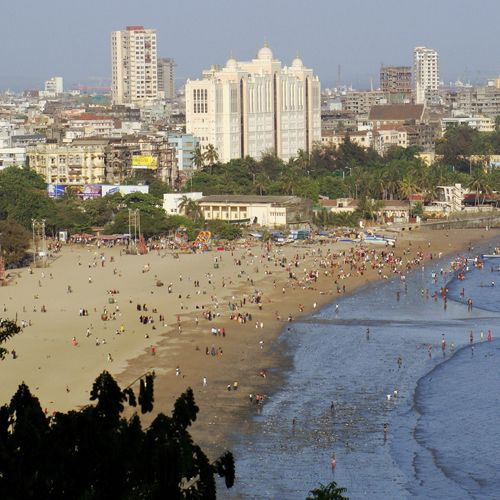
column 97, row 453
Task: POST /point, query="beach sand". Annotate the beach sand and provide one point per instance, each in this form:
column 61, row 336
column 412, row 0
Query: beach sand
column 60, row 374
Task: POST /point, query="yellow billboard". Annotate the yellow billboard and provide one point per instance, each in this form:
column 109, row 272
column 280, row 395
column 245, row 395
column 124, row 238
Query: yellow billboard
column 143, row 161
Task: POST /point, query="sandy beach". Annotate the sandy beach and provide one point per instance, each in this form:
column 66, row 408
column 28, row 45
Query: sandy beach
column 58, row 355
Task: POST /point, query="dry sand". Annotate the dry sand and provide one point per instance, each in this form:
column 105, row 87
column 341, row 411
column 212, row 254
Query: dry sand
column 61, row 374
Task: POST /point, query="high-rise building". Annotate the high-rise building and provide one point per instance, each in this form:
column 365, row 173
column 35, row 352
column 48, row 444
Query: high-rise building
column 395, row 81
column 166, row 78
column 426, row 74
column 134, row 65
column 252, row 107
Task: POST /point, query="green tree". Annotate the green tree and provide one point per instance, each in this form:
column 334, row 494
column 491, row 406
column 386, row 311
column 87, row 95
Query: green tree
column 14, row 241
column 7, row 330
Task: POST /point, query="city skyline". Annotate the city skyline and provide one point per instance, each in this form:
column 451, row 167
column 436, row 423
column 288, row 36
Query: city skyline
column 77, row 47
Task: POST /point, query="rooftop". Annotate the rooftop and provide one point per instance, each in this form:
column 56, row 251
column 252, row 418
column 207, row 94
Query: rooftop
column 249, row 198
column 396, row 112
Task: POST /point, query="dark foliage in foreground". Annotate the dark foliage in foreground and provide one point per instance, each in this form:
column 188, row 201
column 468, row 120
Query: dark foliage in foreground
column 96, row 453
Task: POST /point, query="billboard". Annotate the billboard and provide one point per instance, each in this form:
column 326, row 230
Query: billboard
column 56, row 190
column 123, row 190
column 92, row 191
column 144, row 161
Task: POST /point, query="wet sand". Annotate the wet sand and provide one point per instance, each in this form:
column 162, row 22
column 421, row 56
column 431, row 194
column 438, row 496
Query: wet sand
column 61, row 374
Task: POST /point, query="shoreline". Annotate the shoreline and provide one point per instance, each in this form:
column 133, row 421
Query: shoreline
column 336, row 363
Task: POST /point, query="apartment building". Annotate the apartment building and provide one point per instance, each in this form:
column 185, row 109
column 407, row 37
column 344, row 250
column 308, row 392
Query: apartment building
column 395, row 82
column 479, row 100
column 69, row 163
column 134, row 65
column 426, row 75
column 251, row 107
column 166, row 78
column 360, row 103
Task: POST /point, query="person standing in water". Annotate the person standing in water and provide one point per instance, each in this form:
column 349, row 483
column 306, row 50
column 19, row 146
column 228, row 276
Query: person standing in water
column 333, row 462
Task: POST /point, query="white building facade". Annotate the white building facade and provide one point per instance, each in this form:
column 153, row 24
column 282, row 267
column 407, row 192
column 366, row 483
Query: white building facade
column 53, row 86
column 252, row 107
column 134, row 65
column 426, row 74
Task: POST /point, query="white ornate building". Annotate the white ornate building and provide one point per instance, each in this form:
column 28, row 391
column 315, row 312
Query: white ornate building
column 251, row 107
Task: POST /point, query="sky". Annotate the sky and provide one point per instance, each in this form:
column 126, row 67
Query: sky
column 71, row 38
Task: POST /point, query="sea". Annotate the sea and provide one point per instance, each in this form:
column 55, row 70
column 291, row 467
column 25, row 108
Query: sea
column 440, row 407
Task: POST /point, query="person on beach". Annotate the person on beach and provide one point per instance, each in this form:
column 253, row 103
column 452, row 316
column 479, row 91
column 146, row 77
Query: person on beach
column 490, row 336
column 471, row 337
column 367, row 334
column 386, row 430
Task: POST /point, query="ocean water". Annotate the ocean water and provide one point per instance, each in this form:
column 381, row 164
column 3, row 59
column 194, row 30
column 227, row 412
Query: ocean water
column 443, row 438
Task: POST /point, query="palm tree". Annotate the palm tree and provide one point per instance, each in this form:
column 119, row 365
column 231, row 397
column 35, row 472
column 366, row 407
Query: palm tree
column 328, row 492
column 261, row 183
column 211, row 156
column 407, row 186
column 198, row 157
column 479, row 183
column 191, row 208
column 302, row 160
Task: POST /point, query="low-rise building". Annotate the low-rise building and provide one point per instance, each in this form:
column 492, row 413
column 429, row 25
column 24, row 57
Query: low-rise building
column 451, row 196
column 339, row 206
column 391, row 210
column 386, row 137
column 363, row 139
column 267, row 211
column 479, row 123
column 396, row 114
column 10, row 157
column 92, row 125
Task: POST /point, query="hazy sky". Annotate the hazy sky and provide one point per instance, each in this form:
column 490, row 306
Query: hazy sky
column 39, row 39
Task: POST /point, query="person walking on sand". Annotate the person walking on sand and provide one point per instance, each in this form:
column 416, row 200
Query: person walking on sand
column 204, row 381
column 490, row 336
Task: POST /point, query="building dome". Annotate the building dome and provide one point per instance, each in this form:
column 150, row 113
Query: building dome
column 265, row 53
column 231, row 63
column 297, row 63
